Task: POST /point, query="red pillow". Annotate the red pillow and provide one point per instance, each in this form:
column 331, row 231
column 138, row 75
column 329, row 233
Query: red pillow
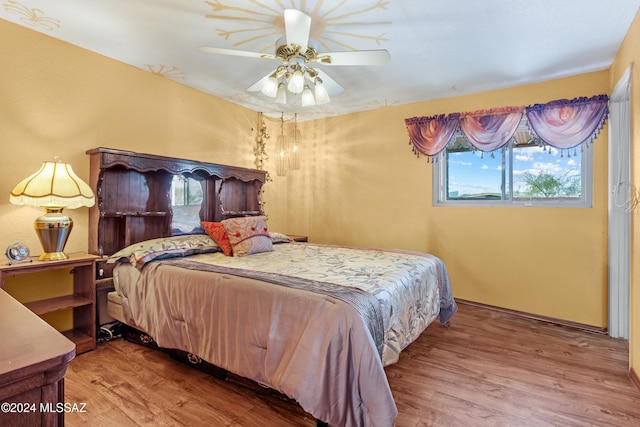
column 218, row 233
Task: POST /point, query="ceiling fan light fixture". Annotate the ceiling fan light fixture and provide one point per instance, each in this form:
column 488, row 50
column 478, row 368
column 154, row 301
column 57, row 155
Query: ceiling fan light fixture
column 281, row 94
column 296, row 81
column 270, row 87
column 307, row 97
column 321, row 94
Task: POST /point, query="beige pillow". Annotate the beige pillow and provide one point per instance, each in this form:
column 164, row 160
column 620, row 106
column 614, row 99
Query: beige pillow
column 248, row 235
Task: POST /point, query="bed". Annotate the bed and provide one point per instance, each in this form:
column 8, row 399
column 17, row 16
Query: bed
column 317, row 323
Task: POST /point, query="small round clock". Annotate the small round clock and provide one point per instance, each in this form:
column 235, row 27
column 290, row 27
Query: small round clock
column 17, row 252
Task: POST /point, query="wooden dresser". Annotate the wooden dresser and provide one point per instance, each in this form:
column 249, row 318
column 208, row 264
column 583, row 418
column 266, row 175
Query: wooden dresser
column 33, row 361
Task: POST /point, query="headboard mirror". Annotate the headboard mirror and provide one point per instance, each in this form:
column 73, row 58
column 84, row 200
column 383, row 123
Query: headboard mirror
column 186, row 202
column 144, row 196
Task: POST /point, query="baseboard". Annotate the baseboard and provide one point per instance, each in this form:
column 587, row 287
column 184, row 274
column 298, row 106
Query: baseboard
column 635, row 379
column 574, row 325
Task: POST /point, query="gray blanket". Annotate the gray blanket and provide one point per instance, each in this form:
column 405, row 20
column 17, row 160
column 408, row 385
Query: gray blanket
column 365, row 303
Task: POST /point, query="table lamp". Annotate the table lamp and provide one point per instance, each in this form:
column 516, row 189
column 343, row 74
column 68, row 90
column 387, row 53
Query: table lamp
column 54, row 187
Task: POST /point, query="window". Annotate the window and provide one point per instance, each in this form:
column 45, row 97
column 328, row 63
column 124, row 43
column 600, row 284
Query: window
column 186, row 199
column 521, row 169
column 521, row 174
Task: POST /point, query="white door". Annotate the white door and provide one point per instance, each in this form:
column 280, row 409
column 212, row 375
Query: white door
column 620, row 206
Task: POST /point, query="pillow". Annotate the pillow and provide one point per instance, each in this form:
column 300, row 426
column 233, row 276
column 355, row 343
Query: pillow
column 218, row 233
column 140, row 253
column 248, row 235
column 279, row 237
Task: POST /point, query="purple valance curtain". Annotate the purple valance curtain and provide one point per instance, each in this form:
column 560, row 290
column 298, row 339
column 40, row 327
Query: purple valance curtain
column 563, row 124
column 429, row 135
column 568, row 123
column 488, row 130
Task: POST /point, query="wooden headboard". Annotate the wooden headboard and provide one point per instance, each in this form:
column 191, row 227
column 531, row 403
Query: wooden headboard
column 133, row 201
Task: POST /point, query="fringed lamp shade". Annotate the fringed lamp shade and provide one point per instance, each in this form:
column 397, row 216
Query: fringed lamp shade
column 54, row 187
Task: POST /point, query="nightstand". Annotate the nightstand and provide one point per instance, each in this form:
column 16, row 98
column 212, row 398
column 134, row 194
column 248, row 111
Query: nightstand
column 298, row 238
column 82, row 301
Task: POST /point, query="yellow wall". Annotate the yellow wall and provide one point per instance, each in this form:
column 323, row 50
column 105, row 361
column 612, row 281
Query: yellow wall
column 629, row 53
column 362, row 185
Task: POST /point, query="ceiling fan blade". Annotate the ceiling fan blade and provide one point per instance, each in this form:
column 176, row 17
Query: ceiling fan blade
column 233, row 52
column 333, row 87
column 357, row 57
column 297, row 26
column 257, row 86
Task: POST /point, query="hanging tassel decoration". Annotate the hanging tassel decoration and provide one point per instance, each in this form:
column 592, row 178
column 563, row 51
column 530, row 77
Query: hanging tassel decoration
column 282, row 145
column 296, row 145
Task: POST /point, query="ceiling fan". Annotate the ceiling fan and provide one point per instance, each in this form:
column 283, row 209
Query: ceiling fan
column 296, row 52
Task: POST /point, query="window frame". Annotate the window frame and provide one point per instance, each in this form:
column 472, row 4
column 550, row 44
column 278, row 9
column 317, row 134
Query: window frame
column 439, row 174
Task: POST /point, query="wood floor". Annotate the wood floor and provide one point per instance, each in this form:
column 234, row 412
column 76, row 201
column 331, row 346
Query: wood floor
column 488, row 369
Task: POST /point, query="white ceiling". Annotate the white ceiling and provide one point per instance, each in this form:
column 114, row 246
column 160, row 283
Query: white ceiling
column 439, row 48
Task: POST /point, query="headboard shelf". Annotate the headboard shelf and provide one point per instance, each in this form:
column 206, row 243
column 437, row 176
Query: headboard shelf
column 229, row 214
column 134, row 201
column 123, row 214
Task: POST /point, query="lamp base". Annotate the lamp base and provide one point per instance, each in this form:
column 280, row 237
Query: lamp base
column 53, row 229
column 52, row 256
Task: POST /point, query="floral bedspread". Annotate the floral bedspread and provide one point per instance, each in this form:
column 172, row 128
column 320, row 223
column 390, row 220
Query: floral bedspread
column 412, row 288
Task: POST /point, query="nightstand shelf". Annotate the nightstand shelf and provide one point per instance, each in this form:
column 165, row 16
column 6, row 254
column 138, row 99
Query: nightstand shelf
column 82, row 301
column 105, row 284
column 56, row 304
column 83, row 342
